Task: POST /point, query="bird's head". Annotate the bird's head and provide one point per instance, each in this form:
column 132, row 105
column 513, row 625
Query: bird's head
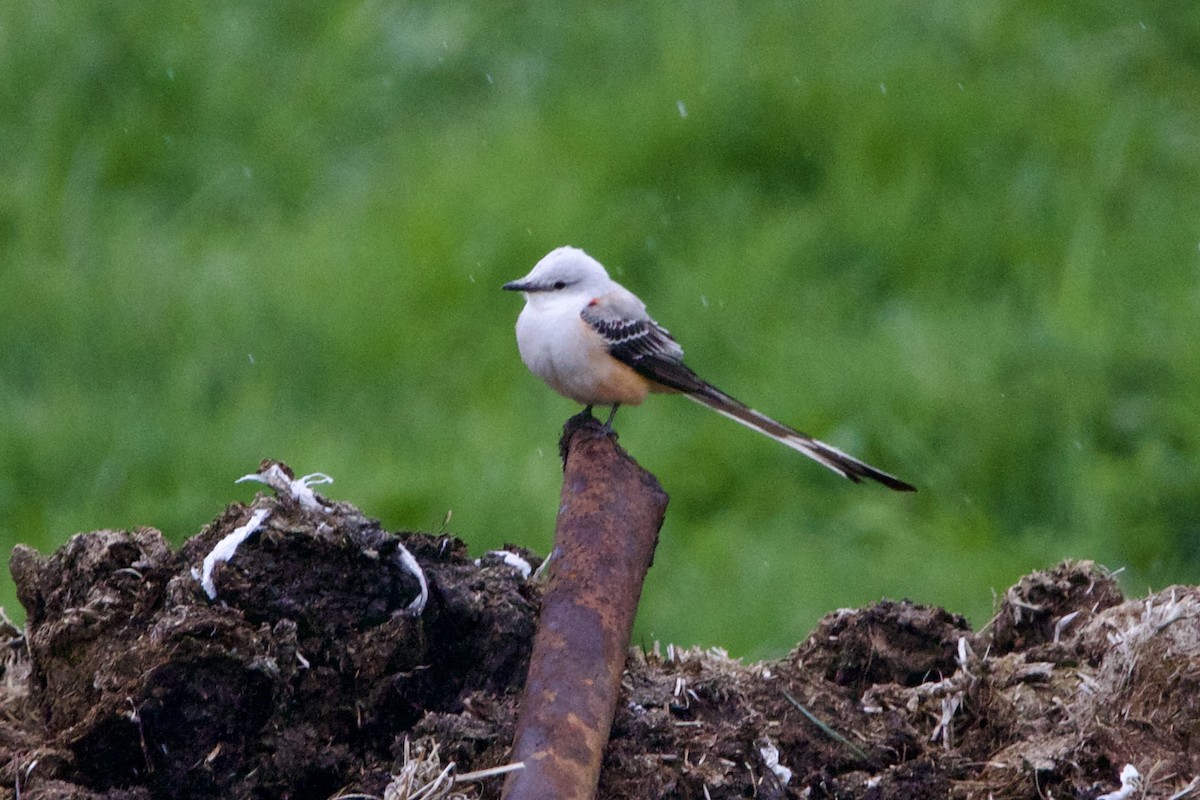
column 562, row 271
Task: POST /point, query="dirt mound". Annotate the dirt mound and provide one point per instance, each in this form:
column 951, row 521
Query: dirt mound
column 340, row 659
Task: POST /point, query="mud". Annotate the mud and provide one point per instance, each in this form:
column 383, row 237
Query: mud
column 316, row 673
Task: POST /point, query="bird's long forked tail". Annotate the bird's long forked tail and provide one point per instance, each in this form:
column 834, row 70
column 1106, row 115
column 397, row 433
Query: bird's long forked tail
column 845, row 465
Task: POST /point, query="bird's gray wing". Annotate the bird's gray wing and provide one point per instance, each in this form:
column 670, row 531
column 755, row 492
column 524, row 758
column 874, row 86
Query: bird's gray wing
column 637, row 341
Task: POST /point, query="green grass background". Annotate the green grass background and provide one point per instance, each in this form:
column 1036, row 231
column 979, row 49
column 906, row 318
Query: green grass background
column 959, row 240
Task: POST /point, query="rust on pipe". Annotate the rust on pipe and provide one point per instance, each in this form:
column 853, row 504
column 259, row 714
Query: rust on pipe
column 604, row 541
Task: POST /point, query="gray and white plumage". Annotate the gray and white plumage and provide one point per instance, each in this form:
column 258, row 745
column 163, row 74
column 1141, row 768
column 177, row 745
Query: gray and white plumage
column 592, row 341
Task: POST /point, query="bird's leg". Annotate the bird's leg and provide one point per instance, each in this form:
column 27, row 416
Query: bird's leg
column 612, row 414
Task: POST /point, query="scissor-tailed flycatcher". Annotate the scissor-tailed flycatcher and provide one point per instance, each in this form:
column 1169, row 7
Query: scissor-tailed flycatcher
column 591, row 339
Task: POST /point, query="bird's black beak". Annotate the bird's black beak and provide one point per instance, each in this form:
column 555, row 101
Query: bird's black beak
column 514, row 286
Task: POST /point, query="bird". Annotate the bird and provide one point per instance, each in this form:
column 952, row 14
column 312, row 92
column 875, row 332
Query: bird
column 592, row 341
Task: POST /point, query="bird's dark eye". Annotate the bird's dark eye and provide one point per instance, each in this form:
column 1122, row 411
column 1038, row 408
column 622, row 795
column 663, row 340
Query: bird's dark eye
column 560, row 284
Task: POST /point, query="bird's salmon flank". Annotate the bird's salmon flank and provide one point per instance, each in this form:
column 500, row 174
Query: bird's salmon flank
column 592, row 341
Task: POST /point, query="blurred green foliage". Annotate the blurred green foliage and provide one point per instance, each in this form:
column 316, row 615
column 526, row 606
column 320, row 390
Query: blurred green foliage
column 957, row 240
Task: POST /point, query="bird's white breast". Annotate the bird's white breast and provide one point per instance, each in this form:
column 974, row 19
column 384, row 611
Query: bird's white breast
column 564, row 351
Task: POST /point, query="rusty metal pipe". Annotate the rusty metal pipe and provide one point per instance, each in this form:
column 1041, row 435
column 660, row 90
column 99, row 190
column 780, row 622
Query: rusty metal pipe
column 604, row 542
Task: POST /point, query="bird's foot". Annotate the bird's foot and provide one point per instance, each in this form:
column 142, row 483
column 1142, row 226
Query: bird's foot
column 580, row 419
column 574, row 424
